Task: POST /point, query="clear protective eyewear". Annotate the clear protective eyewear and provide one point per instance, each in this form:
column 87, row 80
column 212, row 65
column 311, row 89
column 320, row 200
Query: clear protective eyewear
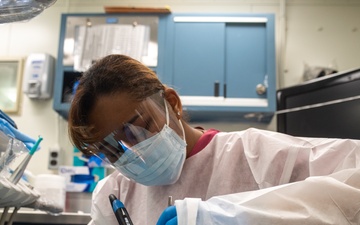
column 148, row 120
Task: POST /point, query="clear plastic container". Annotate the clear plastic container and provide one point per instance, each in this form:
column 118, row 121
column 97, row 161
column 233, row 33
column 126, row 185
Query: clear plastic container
column 4, row 141
column 52, row 189
column 14, row 154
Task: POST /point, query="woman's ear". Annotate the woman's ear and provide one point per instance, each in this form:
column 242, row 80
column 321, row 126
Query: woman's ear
column 173, row 98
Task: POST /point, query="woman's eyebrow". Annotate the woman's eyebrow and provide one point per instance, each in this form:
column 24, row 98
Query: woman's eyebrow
column 134, row 118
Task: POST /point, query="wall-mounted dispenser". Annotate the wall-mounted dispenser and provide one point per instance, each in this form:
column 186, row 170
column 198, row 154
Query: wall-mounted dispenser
column 39, row 76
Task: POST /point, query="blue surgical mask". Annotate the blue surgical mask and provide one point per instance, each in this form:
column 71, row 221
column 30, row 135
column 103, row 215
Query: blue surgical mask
column 158, row 160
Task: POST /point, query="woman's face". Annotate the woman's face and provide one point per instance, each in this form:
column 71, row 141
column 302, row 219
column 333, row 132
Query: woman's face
column 110, row 111
column 123, row 122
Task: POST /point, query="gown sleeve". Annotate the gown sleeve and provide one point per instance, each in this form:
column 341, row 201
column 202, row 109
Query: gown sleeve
column 101, row 211
column 301, row 181
column 330, row 199
column 275, row 158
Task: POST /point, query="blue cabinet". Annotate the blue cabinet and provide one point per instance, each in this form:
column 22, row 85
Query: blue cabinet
column 245, row 60
column 198, row 63
column 70, row 30
column 223, row 66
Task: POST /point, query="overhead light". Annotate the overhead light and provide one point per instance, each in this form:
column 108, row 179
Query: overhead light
column 22, row 10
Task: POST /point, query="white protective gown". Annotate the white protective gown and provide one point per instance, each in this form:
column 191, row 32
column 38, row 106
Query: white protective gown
column 332, row 199
column 240, row 162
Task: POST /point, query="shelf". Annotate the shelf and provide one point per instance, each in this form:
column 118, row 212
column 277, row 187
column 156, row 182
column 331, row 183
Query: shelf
column 116, row 9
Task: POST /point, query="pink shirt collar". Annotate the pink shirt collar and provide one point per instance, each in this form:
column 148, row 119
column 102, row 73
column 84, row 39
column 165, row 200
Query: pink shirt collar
column 203, row 141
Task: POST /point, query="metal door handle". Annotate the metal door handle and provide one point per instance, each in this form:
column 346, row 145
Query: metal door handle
column 260, row 89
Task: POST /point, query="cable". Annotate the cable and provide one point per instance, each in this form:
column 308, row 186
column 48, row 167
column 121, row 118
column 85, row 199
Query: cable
column 11, row 219
column 4, row 215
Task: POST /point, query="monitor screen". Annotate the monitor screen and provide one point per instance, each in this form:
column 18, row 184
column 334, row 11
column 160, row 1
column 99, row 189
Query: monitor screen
column 324, row 107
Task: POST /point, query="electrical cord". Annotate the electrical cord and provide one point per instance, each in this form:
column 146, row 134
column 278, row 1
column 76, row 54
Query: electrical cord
column 4, row 215
column 11, row 219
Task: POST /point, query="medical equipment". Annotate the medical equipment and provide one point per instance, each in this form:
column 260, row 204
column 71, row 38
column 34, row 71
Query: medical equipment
column 39, row 76
column 14, row 191
column 19, row 171
column 20, row 10
column 8, row 130
column 120, row 211
column 170, row 201
column 13, row 152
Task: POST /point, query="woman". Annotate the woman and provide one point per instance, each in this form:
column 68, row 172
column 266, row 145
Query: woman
column 122, row 113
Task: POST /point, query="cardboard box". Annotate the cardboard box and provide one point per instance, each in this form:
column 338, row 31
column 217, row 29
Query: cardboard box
column 81, row 178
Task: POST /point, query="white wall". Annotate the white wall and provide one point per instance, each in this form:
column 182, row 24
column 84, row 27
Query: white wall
column 322, row 35
column 318, row 32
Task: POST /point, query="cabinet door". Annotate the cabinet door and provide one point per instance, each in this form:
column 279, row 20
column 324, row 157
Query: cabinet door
column 245, row 59
column 84, row 38
column 198, row 58
column 237, row 52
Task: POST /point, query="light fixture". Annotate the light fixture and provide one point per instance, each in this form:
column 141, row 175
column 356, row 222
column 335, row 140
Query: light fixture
column 22, row 10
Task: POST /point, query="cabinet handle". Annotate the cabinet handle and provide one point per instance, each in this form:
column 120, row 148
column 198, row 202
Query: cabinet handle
column 216, row 89
column 260, row 89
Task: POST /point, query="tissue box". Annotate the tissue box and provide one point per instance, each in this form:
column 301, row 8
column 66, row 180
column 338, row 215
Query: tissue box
column 81, row 178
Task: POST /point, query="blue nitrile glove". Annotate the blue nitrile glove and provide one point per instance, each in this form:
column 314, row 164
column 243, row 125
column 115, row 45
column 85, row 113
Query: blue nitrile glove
column 168, row 217
column 7, row 118
column 6, row 128
column 94, row 161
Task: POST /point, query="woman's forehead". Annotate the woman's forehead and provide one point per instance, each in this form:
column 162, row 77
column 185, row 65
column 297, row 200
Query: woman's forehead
column 111, row 111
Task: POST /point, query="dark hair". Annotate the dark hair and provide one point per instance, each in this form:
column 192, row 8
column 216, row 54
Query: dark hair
column 110, row 75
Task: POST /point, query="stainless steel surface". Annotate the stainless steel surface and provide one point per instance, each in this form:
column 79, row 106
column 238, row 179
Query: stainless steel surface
column 77, row 212
column 78, row 202
column 39, row 217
